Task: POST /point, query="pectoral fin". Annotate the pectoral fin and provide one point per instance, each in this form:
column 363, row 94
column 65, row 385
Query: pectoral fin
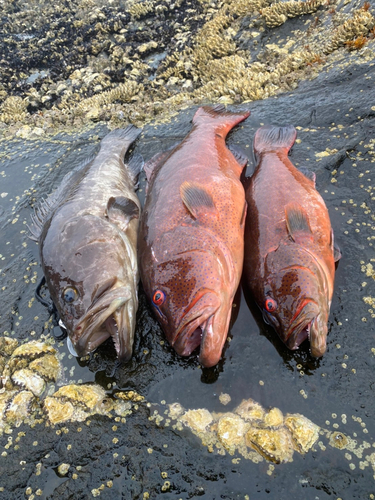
column 122, row 210
column 335, row 249
column 297, row 221
column 197, row 199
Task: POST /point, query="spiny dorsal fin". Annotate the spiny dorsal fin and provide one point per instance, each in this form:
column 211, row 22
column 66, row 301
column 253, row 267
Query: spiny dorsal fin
column 154, row 162
column 309, row 174
column 197, row 199
column 135, row 165
column 46, row 208
column 297, row 221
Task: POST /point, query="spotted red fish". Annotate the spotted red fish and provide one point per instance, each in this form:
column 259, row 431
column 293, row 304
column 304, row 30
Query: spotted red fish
column 191, row 235
column 289, row 247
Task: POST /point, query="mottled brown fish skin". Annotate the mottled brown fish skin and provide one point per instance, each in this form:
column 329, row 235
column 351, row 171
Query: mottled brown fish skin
column 289, row 261
column 191, row 236
column 87, row 235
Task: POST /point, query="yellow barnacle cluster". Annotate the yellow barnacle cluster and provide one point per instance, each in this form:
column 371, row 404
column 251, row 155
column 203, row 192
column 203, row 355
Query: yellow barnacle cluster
column 278, row 13
column 137, row 9
column 31, row 366
column 358, row 25
column 251, row 431
column 13, row 109
column 25, row 372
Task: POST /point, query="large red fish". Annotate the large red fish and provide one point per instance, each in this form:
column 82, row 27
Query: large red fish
column 289, row 248
column 191, row 237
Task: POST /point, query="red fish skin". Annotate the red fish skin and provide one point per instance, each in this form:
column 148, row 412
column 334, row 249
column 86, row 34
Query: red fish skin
column 196, row 260
column 270, row 250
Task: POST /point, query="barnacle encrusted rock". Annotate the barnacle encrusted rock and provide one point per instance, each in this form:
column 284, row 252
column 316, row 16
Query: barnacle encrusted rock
column 338, row 440
column 7, row 346
column 274, row 445
column 250, row 410
column 231, row 430
column 278, row 13
column 304, row 432
column 77, row 402
column 13, row 109
column 147, row 59
column 32, row 365
column 359, row 24
column 197, row 420
column 250, row 427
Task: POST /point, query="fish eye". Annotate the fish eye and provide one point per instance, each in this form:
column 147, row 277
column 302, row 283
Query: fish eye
column 70, row 294
column 270, row 305
column 158, row 298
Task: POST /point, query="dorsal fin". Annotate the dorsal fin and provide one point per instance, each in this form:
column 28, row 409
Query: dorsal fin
column 238, row 153
column 135, row 165
column 297, row 221
column 154, row 162
column 197, row 199
column 46, row 208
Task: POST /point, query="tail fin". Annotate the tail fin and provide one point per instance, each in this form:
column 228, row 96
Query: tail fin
column 270, row 138
column 222, row 120
column 118, row 141
column 128, row 134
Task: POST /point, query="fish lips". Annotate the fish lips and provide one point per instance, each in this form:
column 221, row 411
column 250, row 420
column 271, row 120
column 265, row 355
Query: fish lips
column 299, row 329
column 195, row 323
column 112, row 316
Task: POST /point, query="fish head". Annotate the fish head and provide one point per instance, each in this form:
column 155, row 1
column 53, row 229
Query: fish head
column 295, row 298
column 92, row 284
column 188, row 287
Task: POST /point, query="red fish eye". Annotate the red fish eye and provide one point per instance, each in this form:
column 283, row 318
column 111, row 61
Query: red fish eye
column 270, row 305
column 158, row 298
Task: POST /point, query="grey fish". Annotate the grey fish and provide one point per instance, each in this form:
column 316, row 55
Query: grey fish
column 87, row 234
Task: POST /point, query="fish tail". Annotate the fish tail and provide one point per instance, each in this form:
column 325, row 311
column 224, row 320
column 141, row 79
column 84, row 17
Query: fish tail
column 222, row 119
column 121, row 136
column 270, row 138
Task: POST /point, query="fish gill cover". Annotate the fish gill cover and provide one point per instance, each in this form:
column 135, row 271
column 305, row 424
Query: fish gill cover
column 158, row 426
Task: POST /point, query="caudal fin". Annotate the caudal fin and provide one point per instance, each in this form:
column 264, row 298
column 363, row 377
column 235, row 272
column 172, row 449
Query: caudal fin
column 222, row 120
column 271, row 138
column 128, row 134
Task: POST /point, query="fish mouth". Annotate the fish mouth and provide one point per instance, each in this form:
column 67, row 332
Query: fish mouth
column 196, row 323
column 113, row 315
column 300, row 327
